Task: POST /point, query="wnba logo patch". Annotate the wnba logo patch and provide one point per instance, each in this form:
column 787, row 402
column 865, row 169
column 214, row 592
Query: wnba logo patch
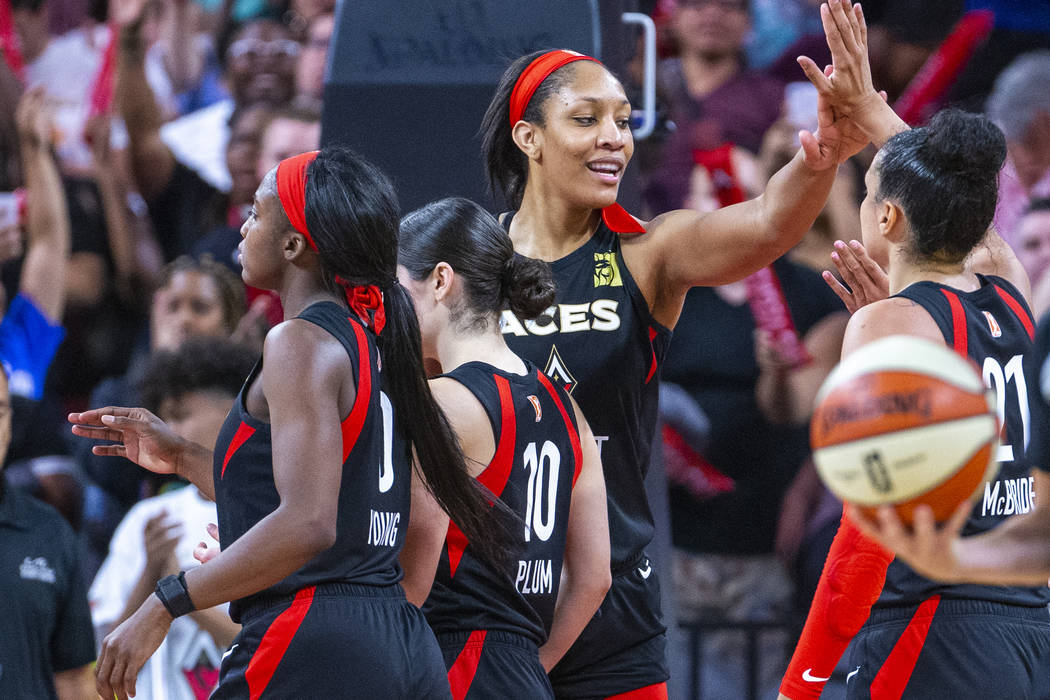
column 993, row 325
column 536, row 406
column 606, row 271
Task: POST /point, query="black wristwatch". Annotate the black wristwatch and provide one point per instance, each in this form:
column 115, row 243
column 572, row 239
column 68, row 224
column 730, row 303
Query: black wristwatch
column 173, row 594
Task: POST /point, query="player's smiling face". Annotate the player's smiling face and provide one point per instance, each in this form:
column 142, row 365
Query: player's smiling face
column 586, row 142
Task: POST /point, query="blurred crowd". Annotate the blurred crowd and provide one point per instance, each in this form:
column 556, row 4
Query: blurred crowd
column 133, row 135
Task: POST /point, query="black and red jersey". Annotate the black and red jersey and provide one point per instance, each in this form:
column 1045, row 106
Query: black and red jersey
column 374, row 495
column 601, row 343
column 992, row 326
column 533, row 469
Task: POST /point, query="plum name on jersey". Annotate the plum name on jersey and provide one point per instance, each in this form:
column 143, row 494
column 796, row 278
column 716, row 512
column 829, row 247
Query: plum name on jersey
column 535, row 577
column 382, row 528
column 598, row 315
column 1015, row 496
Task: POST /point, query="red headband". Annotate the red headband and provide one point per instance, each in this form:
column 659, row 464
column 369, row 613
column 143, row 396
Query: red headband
column 291, row 190
column 534, row 75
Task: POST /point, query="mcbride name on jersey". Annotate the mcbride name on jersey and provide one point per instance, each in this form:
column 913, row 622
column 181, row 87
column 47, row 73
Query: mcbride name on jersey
column 993, row 327
column 602, row 345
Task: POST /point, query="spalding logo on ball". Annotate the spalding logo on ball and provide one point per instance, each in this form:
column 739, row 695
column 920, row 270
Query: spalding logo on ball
column 904, row 421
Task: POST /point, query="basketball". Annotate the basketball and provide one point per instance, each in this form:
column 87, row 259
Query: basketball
column 904, row 421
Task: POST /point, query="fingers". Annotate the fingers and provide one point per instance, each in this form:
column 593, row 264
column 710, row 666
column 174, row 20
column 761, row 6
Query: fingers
column 102, row 671
column 814, row 74
column 840, row 17
column 831, row 32
column 201, row 553
column 840, row 291
column 213, row 530
column 955, row 523
column 858, row 12
column 110, row 451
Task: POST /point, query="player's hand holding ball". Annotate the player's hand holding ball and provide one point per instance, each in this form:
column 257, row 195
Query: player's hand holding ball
column 904, row 422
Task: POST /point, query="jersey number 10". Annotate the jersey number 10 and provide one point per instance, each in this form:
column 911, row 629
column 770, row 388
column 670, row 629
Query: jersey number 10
column 543, row 466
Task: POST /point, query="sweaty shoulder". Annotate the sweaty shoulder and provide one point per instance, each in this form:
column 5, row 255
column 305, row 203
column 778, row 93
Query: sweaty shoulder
column 892, row 316
column 301, row 354
column 468, row 419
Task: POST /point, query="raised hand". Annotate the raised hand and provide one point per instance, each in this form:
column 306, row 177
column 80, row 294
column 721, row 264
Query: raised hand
column 865, row 278
column 127, row 13
column 844, row 88
column 138, row 436
column 33, row 118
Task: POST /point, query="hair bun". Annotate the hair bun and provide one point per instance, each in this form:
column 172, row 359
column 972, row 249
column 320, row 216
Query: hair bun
column 966, row 143
column 528, row 286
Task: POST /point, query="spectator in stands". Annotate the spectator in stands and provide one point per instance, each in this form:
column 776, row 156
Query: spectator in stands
column 259, row 69
column 66, row 67
column 1020, row 106
column 191, row 389
column 712, row 94
column 1032, row 245
column 309, row 73
column 288, row 131
column 47, row 646
column 31, row 329
column 196, row 298
column 712, row 97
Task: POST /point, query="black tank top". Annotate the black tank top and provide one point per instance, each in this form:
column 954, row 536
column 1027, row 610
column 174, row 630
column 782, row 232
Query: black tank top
column 374, row 495
column 993, row 326
column 603, row 346
column 534, row 468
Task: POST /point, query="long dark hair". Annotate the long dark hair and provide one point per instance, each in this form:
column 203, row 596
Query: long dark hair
column 506, row 167
column 461, row 233
column 352, row 215
column 945, row 177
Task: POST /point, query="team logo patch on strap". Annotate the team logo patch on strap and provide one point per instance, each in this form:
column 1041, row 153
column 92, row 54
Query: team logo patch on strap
column 606, row 271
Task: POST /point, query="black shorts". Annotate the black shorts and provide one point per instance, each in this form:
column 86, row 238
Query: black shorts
column 623, row 646
column 487, row 664
column 956, row 649
column 334, row 640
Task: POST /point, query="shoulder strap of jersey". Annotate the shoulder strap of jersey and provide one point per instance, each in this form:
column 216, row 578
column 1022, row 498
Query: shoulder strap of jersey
column 353, row 335
column 946, row 309
column 1013, row 298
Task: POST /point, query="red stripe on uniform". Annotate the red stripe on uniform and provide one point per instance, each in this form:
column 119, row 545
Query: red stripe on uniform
column 1018, row 309
column 895, row 673
column 354, row 422
column 959, row 337
column 465, row 667
column 275, row 643
column 244, row 431
column 652, row 367
column 496, row 474
column 649, row 692
column 574, row 436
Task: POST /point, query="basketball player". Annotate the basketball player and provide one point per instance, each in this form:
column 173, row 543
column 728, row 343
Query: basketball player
column 311, row 472
column 501, row 630
column 1018, row 552
column 556, row 141
column 931, row 194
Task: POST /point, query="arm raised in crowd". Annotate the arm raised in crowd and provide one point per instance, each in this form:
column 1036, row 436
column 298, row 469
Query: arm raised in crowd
column 47, row 218
column 152, row 162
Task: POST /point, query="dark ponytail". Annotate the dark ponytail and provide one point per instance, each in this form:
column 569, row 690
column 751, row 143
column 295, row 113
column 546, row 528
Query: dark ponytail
column 459, row 232
column 352, row 215
column 945, row 177
column 506, row 167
